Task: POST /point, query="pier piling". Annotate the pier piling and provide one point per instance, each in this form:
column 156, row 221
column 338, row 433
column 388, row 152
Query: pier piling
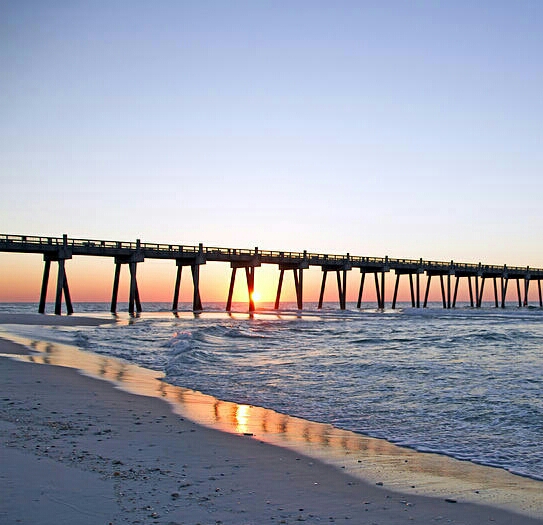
column 61, row 252
column 298, row 274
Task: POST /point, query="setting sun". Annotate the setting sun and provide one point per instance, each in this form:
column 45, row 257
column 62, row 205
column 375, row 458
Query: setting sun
column 256, row 296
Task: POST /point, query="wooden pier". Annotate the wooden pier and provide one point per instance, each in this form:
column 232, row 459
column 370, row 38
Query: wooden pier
column 59, row 249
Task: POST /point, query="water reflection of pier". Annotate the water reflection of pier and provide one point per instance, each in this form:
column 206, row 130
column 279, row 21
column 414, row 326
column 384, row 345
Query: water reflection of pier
column 130, row 254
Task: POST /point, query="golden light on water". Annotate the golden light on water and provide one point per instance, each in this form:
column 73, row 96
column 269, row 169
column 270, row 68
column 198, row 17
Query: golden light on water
column 242, row 419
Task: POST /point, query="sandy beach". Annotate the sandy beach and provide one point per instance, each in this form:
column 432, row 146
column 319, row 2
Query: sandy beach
column 75, row 449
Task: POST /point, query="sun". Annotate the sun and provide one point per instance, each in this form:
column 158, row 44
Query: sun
column 256, row 296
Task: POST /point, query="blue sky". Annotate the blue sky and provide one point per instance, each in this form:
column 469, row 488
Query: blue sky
column 412, row 129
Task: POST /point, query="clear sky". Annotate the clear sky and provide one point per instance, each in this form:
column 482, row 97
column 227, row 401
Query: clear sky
column 400, row 128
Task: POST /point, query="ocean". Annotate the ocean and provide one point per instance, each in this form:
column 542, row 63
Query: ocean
column 467, row 383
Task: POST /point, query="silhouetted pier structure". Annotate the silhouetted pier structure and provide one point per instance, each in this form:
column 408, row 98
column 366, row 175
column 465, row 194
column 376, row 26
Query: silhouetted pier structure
column 59, row 249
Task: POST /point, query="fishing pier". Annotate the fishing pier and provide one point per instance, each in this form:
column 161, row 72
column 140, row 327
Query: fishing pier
column 130, row 254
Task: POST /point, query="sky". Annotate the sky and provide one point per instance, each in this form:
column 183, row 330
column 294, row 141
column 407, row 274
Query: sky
column 402, row 128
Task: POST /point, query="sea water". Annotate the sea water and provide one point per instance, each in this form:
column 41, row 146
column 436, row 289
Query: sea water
column 463, row 382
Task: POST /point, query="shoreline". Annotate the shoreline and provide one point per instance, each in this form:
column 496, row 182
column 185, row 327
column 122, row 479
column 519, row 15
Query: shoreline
column 273, row 470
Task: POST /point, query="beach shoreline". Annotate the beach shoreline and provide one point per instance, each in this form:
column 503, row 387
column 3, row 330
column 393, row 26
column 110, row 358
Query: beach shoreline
column 87, row 452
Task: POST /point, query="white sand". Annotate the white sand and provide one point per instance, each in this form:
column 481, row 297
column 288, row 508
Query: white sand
column 77, row 450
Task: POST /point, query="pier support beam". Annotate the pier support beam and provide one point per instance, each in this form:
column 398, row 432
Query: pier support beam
column 194, row 264
column 134, row 295
column 341, row 275
column 455, row 294
column 298, row 272
column 415, row 297
column 63, row 253
column 115, row 292
column 504, row 290
column 361, row 289
column 250, row 275
column 132, row 260
column 379, row 288
column 44, row 283
column 249, row 267
column 134, row 303
column 445, row 296
column 472, row 304
column 480, row 297
column 475, row 296
column 231, row 290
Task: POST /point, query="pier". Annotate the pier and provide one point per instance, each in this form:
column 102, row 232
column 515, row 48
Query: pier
column 130, row 254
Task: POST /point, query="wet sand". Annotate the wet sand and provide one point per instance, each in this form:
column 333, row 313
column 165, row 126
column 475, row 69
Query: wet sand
column 75, row 449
